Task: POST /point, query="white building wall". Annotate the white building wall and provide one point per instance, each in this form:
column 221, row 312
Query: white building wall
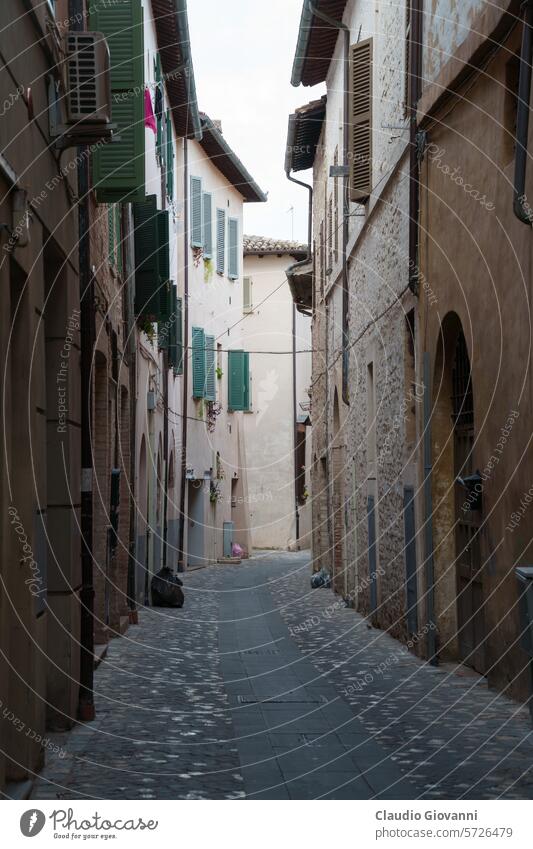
column 269, row 428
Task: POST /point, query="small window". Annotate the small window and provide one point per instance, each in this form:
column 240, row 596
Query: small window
column 208, row 225
column 238, row 380
column 196, row 213
column 247, row 301
column 233, row 236
column 221, row 241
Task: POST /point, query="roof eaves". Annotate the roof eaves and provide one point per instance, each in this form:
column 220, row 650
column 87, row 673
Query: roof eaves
column 182, row 20
column 303, row 133
column 246, row 185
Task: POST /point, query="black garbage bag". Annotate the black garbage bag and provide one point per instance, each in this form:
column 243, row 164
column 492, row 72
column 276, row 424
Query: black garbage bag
column 321, row 579
column 166, row 589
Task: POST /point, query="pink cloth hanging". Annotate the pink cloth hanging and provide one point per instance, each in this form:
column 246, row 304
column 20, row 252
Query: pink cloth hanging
column 149, row 117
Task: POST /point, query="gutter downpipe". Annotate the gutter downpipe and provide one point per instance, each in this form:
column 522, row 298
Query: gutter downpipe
column 86, row 711
column 294, row 400
column 521, row 208
column 184, row 356
column 345, row 190
column 415, row 74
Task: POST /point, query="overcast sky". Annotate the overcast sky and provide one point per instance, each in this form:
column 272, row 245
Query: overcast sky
column 243, row 52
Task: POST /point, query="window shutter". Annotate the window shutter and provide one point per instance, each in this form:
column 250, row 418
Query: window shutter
column 208, row 225
column 246, row 378
column 172, row 329
column 221, row 241
column 170, row 158
column 146, row 239
column 236, row 380
column 361, row 121
column 247, row 294
column 163, row 239
column 196, row 213
column 118, row 167
column 233, row 235
column 210, row 383
column 198, row 362
column 178, row 324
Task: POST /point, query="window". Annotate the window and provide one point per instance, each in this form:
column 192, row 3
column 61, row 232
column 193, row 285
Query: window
column 330, row 233
column 221, row 241
column 175, row 338
column 247, row 302
column 169, row 157
column 208, row 225
column 233, row 236
column 152, row 260
column 203, row 365
column 238, row 380
column 118, row 168
column 196, row 213
column 361, row 121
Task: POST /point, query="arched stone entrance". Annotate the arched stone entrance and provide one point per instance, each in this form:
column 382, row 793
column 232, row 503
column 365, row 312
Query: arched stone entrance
column 457, row 516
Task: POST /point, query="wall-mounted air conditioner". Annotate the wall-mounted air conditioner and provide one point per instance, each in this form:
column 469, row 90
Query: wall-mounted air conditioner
column 87, row 78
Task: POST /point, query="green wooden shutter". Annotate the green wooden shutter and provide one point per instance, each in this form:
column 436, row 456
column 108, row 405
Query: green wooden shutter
column 247, row 305
column 198, row 362
column 163, row 238
column 236, row 381
column 246, row 378
column 171, row 324
column 119, row 167
column 179, row 336
column 233, row 236
column 146, row 239
column 158, row 118
column 208, row 225
column 221, row 240
column 210, row 364
column 196, row 213
column 170, row 158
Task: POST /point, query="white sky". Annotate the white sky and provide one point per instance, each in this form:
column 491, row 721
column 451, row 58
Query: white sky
column 243, row 52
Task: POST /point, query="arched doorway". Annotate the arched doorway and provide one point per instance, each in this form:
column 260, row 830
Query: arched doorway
column 470, row 620
column 456, row 516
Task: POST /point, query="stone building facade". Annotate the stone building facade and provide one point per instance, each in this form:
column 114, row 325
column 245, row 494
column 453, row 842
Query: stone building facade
column 474, row 315
column 362, row 372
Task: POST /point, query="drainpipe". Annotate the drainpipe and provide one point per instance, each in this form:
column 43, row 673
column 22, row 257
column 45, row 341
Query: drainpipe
column 345, row 193
column 415, row 54
column 185, row 359
column 294, row 398
column 521, row 207
column 165, row 454
column 86, row 710
column 428, row 515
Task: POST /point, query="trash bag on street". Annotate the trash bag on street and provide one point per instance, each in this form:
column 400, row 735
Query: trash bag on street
column 321, row 579
column 166, row 589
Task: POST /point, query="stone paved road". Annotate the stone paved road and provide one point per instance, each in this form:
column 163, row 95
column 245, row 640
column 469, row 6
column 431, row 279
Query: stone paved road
column 263, row 688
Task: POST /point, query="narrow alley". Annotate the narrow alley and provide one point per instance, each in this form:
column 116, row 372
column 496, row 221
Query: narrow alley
column 264, row 688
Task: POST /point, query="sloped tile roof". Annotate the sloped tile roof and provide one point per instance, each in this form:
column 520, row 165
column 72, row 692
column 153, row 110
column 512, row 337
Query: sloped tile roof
column 264, row 245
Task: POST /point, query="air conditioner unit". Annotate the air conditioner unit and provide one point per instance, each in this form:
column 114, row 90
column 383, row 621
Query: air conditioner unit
column 87, row 78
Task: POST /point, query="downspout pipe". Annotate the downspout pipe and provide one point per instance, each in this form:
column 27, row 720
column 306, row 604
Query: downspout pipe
column 345, row 193
column 86, row 711
column 521, row 207
column 415, row 54
column 185, row 359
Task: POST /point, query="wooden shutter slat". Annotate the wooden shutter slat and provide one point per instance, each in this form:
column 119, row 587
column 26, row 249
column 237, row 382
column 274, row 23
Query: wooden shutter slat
column 198, row 362
column 233, row 237
column 119, row 167
column 210, row 380
column 236, row 374
column 361, row 120
column 221, row 241
column 196, row 213
column 146, row 239
column 247, row 294
column 208, row 225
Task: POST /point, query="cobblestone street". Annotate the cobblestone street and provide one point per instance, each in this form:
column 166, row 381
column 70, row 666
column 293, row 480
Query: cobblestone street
column 263, row 688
